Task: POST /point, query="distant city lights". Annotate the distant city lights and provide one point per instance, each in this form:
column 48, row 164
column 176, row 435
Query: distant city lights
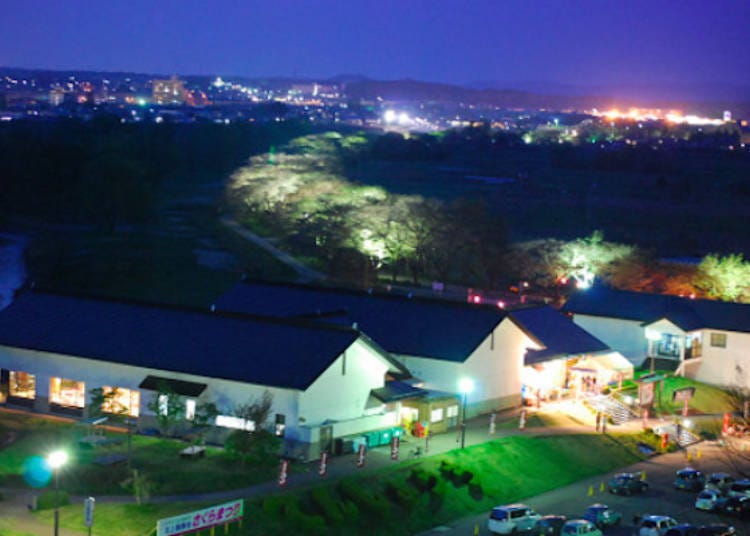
column 649, row 114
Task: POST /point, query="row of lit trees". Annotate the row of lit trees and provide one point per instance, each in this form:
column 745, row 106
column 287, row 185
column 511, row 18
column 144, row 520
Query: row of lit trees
column 300, row 195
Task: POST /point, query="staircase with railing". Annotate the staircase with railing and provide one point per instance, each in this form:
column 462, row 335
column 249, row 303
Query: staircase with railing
column 611, row 406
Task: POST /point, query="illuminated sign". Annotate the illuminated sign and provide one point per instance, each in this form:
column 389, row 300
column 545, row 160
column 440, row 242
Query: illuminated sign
column 201, row 519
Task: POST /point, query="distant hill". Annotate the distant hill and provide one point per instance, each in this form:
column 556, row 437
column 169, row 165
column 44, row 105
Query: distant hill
column 528, row 95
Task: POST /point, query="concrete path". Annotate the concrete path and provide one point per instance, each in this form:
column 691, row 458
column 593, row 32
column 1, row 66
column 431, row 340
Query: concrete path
column 305, row 273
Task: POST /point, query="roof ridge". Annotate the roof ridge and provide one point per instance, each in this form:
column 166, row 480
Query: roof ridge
column 370, row 292
column 210, row 312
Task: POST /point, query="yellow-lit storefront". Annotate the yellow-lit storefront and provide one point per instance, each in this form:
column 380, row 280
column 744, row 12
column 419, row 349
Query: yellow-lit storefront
column 66, row 393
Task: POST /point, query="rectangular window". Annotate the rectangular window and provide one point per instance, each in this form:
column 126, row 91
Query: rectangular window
column 436, row 415
column 280, row 425
column 22, row 385
column 163, row 404
column 452, row 411
column 668, row 345
column 228, row 421
column 69, row 393
column 190, row 409
column 719, row 340
column 120, row 401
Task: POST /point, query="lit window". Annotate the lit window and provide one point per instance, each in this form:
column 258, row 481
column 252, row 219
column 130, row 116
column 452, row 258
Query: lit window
column 22, row 385
column 719, row 340
column 452, row 411
column 227, row 421
column 190, row 409
column 436, row 415
column 280, row 425
column 120, row 401
column 163, row 404
column 69, row 393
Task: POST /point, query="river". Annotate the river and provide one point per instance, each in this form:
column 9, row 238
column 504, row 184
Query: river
column 12, row 267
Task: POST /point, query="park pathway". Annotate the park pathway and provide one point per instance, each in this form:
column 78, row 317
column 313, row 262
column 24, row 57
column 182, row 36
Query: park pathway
column 305, row 274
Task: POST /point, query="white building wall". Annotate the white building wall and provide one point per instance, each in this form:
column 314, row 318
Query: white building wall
column 723, row 366
column 342, row 391
column 494, row 367
column 225, row 393
column 626, row 336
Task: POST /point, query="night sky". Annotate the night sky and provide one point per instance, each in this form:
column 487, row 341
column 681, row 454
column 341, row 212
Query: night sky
column 519, row 43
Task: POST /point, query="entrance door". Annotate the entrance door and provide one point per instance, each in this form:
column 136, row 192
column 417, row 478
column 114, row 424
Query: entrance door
column 326, row 439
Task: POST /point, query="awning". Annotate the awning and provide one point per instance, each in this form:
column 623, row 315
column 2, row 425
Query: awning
column 394, row 391
column 181, row 387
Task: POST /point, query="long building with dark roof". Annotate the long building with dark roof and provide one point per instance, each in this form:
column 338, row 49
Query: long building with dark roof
column 440, row 342
column 55, row 349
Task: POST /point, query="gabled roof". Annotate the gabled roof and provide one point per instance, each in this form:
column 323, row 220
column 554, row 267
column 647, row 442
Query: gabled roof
column 271, row 352
column 688, row 314
column 438, row 329
column 558, row 335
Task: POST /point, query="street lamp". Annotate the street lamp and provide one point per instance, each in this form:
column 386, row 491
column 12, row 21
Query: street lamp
column 56, row 460
column 465, row 386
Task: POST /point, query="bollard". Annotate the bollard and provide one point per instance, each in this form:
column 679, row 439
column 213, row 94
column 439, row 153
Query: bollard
column 664, row 440
column 591, row 491
column 688, row 455
column 643, row 476
column 698, row 454
column 601, row 487
column 476, row 529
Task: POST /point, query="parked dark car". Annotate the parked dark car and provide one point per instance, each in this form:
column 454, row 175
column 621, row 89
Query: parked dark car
column 602, row 516
column 550, row 525
column 720, row 482
column 627, row 484
column 736, row 506
column 689, row 479
column 682, row 530
column 717, row 529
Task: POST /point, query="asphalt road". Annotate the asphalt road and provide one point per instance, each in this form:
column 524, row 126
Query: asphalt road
column 661, row 498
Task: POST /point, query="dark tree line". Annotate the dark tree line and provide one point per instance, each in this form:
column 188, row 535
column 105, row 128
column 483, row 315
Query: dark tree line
column 102, row 172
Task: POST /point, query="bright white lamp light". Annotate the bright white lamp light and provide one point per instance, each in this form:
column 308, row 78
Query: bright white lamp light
column 57, row 459
column 466, row 386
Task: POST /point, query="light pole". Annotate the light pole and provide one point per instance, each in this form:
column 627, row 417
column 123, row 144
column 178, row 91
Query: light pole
column 56, row 460
column 465, row 386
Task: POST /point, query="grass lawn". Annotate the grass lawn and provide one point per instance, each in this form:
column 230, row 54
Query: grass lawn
column 409, row 496
column 707, row 400
column 157, row 458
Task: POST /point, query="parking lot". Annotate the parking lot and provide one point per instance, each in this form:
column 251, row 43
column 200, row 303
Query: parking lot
column 660, row 498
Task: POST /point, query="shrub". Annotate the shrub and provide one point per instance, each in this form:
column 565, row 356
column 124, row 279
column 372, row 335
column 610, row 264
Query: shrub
column 403, row 496
column 325, row 505
column 422, row 480
column 46, row 501
column 374, row 504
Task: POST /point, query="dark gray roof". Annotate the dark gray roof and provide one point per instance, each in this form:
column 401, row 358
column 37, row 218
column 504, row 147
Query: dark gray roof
column 396, row 390
column 686, row 313
column 438, row 329
column 559, row 336
column 235, row 347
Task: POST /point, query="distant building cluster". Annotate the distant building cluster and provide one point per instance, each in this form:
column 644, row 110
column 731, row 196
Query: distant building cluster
column 45, row 95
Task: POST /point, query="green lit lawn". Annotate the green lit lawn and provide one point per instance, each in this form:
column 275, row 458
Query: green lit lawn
column 549, row 462
column 158, row 458
column 707, row 400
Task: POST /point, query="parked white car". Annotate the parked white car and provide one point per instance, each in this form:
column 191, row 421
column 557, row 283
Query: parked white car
column 709, row 500
column 655, row 525
column 512, row 518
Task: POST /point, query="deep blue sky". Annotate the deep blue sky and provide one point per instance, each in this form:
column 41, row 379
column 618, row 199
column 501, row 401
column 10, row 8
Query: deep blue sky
column 581, row 42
